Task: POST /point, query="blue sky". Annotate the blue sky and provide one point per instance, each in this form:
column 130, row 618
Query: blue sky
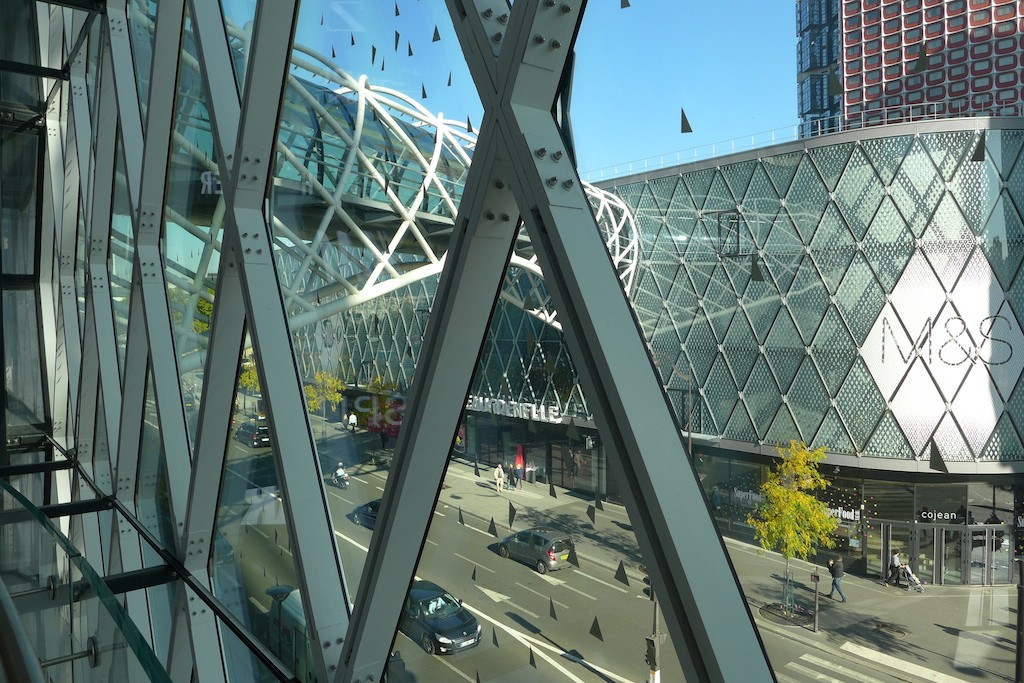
column 731, row 64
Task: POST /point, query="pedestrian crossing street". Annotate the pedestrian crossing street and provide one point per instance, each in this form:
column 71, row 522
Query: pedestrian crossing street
column 816, row 668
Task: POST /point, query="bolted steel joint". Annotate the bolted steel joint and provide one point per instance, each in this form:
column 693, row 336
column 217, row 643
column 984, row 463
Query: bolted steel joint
column 566, row 8
column 552, row 181
column 487, row 13
column 568, row 184
column 539, row 39
column 555, row 44
column 489, row 215
column 541, row 153
column 503, row 18
column 497, row 37
column 557, row 156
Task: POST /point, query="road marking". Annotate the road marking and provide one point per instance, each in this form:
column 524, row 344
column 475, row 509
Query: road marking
column 899, row 664
column 562, row 584
column 379, row 488
column 783, row 678
column 439, row 514
column 341, row 497
column 479, row 531
column 840, row 669
column 474, row 562
column 811, row 673
column 355, row 543
column 503, row 599
column 603, row 583
column 431, row 542
column 537, row 651
column 560, row 604
column 455, row 669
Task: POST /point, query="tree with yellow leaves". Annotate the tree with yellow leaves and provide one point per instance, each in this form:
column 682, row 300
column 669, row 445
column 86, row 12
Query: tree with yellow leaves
column 325, row 389
column 791, row 519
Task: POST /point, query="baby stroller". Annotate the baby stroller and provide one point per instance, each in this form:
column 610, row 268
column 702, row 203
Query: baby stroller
column 911, row 578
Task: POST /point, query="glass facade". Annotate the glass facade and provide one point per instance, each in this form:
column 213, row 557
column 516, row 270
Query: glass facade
column 322, row 362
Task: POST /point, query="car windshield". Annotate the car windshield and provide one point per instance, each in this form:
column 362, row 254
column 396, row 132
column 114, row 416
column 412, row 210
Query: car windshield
column 440, row 606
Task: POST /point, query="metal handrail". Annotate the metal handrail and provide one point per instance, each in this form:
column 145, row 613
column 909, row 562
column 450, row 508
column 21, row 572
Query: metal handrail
column 18, row 660
column 808, row 129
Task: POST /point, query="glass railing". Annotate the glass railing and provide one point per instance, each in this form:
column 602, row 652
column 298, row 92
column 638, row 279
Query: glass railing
column 72, row 621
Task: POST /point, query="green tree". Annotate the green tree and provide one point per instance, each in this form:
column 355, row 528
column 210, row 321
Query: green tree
column 249, row 379
column 791, row 519
column 325, row 389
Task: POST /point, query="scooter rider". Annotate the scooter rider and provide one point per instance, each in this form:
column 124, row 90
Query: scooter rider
column 340, row 477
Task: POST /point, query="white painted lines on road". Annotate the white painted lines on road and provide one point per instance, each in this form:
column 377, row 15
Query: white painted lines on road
column 479, row 531
column 439, row 514
column 538, row 647
column 842, row 670
column 504, row 600
column 355, row 543
column 431, row 542
column 341, row 497
column 898, row 664
column 560, row 604
column 379, row 488
column 603, row 583
column 473, row 562
column 461, row 675
column 562, row 584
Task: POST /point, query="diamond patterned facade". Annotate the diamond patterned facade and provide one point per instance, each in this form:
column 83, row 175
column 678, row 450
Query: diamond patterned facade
column 858, row 292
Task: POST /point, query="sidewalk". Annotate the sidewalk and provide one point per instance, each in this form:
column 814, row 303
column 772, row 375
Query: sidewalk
column 945, row 634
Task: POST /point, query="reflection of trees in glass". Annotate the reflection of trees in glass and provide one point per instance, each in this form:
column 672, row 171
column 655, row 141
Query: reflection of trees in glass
column 180, row 302
column 325, row 389
column 791, row 519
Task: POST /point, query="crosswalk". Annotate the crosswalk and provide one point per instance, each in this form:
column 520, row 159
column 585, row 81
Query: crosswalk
column 815, row 668
column 810, row 667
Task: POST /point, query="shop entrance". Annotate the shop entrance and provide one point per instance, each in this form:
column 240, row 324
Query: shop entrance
column 943, row 554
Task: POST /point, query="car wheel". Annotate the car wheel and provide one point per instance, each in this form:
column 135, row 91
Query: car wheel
column 541, row 567
column 427, row 643
column 503, row 551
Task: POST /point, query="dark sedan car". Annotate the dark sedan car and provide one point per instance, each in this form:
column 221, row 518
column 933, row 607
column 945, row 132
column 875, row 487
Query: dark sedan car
column 366, row 514
column 437, row 621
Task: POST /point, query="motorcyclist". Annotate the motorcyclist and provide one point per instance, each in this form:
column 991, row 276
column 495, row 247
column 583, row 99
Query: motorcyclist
column 340, row 476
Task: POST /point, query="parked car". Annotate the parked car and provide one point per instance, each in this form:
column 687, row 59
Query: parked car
column 542, row 548
column 366, row 514
column 437, row 620
column 254, row 434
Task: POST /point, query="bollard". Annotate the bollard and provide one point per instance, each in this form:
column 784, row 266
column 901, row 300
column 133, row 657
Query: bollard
column 815, row 578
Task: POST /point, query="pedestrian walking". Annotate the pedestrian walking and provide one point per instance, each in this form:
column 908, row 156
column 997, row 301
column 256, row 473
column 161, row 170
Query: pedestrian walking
column 499, row 477
column 895, row 565
column 383, row 438
column 352, row 420
column 510, row 472
column 516, row 479
column 835, row 568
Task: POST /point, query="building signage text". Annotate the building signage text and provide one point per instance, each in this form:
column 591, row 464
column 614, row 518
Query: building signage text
column 525, row 411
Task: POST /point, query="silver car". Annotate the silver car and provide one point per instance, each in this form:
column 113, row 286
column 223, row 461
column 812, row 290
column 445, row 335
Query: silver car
column 542, row 548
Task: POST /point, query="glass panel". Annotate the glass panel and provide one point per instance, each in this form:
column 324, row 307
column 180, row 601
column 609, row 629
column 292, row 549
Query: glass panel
column 121, row 259
column 924, row 563
column 980, row 547
column 192, row 232
column 77, row 634
column 18, row 220
column 141, row 18
column 253, row 570
column 519, row 590
column 26, row 400
column 152, row 495
column 952, row 556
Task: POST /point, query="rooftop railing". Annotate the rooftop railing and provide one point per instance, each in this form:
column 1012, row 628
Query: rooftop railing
column 808, row 129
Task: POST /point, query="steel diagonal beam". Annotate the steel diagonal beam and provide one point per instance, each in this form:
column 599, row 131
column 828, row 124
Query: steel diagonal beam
column 707, row 617
column 152, row 285
column 709, row 621
column 466, row 293
column 248, row 234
